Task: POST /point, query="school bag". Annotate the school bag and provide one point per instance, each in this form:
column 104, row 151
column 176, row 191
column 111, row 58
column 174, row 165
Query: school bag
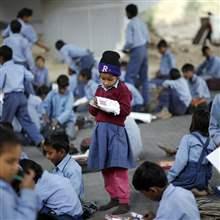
column 195, row 174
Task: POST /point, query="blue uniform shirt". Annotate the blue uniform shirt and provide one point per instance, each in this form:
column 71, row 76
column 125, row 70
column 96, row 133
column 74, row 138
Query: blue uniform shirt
column 210, row 67
column 55, row 192
column 12, row 77
column 189, row 149
column 167, row 62
column 136, row 34
column 214, row 125
column 90, row 89
column 71, row 53
column 27, row 31
column 22, row 52
column 59, row 106
column 181, row 87
column 70, row 169
column 40, row 76
column 13, row 207
column 177, row 204
column 199, row 88
column 137, row 98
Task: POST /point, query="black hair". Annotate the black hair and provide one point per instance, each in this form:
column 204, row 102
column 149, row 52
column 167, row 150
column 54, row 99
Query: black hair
column 174, row 74
column 6, row 53
column 110, row 57
column 204, row 49
column 188, row 67
column 62, row 81
column 200, row 120
column 132, row 10
column 162, row 44
column 40, row 58
column 59, row 44
column 124, row 64
column 58, row 141
column 15, row 26
column 86, row 73
column 149, row 175
column 9, row 138
column 43, row 91
column 25, row 12
column 27, row 165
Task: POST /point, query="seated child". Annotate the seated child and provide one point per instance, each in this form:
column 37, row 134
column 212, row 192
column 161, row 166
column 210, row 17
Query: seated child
column 210, row 68
column 55, row 193
column 41, row 77
column 175, row 97
column 167, row 62
column 191, row 169
column 176, row 203
column 58, row 108
column 214, row 126
column 56, row 148
column 12, row 206
column 197, row 85
column 89, row 85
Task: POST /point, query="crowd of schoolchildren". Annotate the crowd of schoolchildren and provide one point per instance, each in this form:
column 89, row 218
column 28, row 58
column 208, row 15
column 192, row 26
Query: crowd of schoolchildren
column 34, row 113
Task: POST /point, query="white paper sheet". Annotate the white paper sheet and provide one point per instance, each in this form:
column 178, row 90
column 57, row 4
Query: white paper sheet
column 144, row 117
column 108, row 105
column 80, row 101
column 214, row 159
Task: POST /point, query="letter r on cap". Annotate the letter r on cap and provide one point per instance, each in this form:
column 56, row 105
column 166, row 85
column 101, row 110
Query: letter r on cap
column 105, row 68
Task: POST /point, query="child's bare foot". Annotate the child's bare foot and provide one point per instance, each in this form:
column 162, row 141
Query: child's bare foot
column 168, row 151
column 199, row 193
column 164, row 114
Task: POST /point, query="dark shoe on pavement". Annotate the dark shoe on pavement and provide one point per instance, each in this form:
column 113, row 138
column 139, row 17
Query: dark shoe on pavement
column 122, row 209
column 113, row 203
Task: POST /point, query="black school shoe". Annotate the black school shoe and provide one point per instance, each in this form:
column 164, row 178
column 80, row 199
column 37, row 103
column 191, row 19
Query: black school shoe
column 113, row 203
column 122, row 209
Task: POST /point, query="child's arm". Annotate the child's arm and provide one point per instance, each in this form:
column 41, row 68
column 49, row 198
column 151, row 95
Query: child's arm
column 28, row 55
column 180, row 160
column 28, row 75
column 93, row 110
column 125, row 101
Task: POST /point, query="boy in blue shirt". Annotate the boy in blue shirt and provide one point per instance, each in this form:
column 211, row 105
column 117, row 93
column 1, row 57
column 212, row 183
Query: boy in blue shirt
column 75, row 57
column 210, row 68
column 41, row 77
column 197, row 85
column 55, row 193
column 167, row 62
column 176, row 203
column 22, row 53
column 12, row 77
column 12, row 206
column 137, row 37
column 56, row 148
column 58, row 107
column 24, row 17
column 175, row 97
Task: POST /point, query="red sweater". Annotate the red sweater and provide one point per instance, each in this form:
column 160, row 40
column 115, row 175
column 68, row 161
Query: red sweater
column 120, row 94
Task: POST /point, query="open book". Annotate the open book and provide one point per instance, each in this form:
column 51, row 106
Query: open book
column 107, row 105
